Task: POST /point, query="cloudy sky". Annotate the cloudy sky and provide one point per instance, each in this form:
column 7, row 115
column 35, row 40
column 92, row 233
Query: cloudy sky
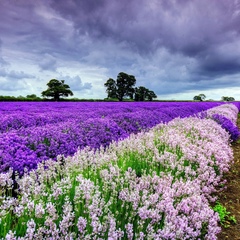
column 177, row 48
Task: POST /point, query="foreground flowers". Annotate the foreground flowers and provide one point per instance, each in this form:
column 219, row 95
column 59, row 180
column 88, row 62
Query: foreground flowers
column 154, row 185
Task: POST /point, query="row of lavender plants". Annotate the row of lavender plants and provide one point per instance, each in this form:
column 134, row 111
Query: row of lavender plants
column 34, row 132
column 152, row 185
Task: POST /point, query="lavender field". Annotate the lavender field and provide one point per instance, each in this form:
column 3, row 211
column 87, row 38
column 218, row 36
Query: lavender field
column 113, row 170
column 33, row 132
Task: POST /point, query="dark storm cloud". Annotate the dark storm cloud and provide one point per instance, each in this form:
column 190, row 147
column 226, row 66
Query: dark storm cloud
column 29, row 26
column 191, row 28
column 187, row 26
column 221, row 60
column 171, row 46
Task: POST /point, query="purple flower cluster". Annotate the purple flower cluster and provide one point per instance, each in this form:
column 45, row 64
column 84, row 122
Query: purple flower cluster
column 237, row 104
column 226, row 115
column 228, row 125
column 15, row 154
column 34, row 132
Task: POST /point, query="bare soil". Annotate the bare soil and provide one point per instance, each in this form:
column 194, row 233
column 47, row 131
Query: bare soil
column 230, row 197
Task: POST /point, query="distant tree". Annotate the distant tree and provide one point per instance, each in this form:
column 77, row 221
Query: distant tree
column 57, row 89
column 142, row 94
column 197, row 98
column 203, row 96
column 223, row 98
column 125, row 85
column 151, row 94
column 111, row 88
column 231, row 99
column 122, row 87
column 228, row 99
column 20, row 98
column 200, row 97
column 32, row 96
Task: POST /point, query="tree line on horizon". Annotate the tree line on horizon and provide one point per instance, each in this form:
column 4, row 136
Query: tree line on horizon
column 202, row 97
column 117, row 90
column 120, row 89
column 123, row 87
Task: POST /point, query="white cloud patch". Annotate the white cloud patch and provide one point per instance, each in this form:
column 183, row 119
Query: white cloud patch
column 76, row 83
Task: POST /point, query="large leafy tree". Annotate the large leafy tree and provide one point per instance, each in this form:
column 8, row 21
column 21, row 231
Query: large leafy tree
column 150, row 95
column 111, row 88
column 227, row 99
column 122, row 87
column 125, row 85
column 199, row 97
column 142, row 94
column 57, row 89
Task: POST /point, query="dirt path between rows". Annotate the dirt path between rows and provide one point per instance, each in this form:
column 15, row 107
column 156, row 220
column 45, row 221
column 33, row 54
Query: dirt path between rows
column 230, row 198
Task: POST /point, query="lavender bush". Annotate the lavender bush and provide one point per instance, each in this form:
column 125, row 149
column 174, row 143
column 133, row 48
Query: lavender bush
column 227, row 110
column 228, row 125
column 226, row 115
column 152, row 185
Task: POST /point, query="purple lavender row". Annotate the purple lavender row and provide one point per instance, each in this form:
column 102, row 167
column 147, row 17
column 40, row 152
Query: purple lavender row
column 34, row 132
column 26, row 114
column 226, row 116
